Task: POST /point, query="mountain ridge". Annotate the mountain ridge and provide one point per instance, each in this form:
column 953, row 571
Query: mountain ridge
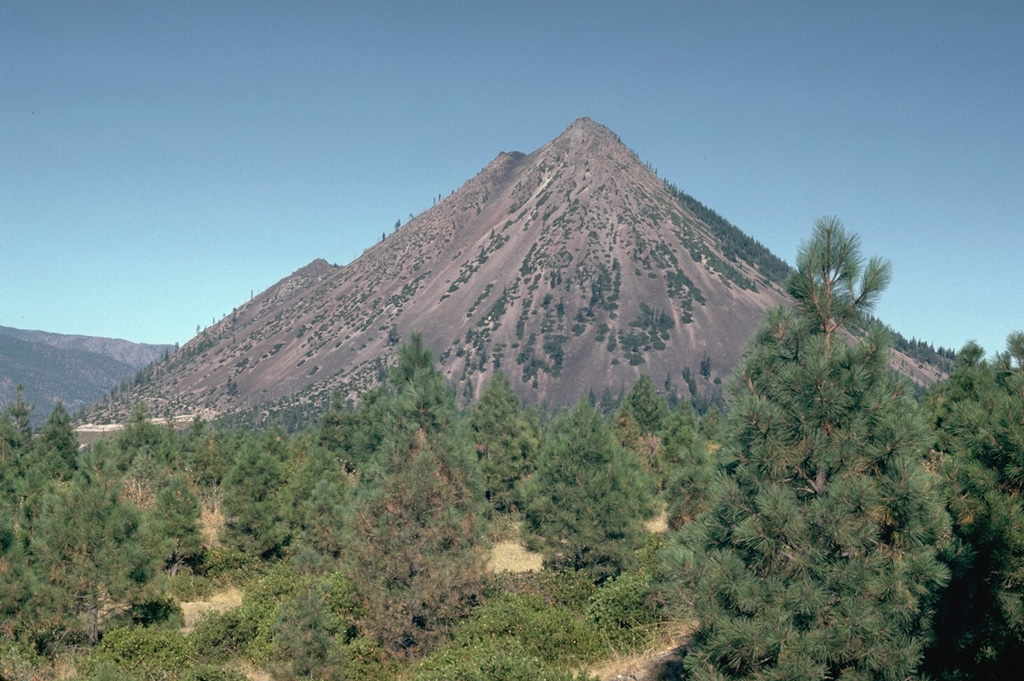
column 75, row 370
column 573, row 268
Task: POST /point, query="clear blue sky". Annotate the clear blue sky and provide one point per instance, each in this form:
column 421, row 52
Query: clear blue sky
column 160, row 161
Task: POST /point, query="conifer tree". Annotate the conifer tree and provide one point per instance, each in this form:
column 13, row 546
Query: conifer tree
column 978, row 414
column 16, row 581
column 691, row 465
column 88, row 552
column 315, row 495
column 302, row 637
column 506, row 441
column 354, row 434
column 56, row 448
column 832, row 286
column 647, row 408
column 20, row 413
column 205, row 452
column 140, row 437
column 817, row 558
column 588, row 500
column 175, row 524
column 640, row 417
column 254, row 519
column 414, row 527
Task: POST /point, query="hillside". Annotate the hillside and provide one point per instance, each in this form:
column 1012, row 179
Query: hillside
column 75, row 370
column 574, row 269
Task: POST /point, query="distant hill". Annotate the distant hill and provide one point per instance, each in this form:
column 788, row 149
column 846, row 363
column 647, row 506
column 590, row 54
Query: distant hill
column 573, row 269
column 75, row 370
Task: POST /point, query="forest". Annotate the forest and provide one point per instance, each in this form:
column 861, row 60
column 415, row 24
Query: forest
column 829, row 522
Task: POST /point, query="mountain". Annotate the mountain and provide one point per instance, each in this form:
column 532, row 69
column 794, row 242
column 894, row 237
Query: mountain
column 574, row 269
column 75, row 370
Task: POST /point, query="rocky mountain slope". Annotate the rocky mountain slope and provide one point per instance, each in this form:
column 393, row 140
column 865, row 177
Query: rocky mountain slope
column 75, row 370
column 574, row 269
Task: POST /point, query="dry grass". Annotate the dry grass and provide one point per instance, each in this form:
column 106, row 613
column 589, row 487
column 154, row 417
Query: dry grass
column 512, row 556
column 251, row 672
column 212, row 520
column 659, row 523
column 218, row 602
column 661, row 659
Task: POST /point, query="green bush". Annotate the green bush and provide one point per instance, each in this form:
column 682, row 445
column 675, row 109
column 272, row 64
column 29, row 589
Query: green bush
column 552, row 633
column 187, row 586
column 220, row 561
column 209, row 672
column 164, row 610
column 622, row 611
column 18, row 662
column 566, row 588
column 219, row 636
column 104, row 670
column 365, row 660
column 150, row 653
column 489, row 661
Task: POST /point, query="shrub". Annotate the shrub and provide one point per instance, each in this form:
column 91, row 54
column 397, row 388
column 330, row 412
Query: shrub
column 151, row 653
column 365, row 660
column 158, row 610
column 208, row 672
column 552, row 633
column 622, row 611
column 489, row 661
column 219, row 636
column 18, row 662
column 219, row 561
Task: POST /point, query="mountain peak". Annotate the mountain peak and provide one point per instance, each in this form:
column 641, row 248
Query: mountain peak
column 586, row 133
column 573, row 269
column 587, row 125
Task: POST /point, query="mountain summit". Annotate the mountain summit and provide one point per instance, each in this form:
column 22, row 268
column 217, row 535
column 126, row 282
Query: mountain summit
column 573, row 269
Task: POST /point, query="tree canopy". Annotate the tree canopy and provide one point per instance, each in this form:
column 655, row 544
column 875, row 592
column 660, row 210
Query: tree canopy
column 818, row 554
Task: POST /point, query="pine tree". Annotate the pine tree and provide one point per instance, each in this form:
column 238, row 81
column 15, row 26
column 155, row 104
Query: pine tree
column 691, row 464
column 587, row 500
column 301, row 637
column 414, row 527
column 640, row 417
column 16, row 580
column 978, row 414
column 315, row 495
column 56, row 447
column 506, row 441
column 254, row 518
column 647, row 408
column 817, row 558
column 140, row 437
column 832, row 286
column 88, row 552
column 175, row 524
column 20, row 413
column 205, row 453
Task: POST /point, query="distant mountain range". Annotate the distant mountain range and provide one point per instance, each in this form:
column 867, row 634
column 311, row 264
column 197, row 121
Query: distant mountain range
column 75, row 370
column 574, row 269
